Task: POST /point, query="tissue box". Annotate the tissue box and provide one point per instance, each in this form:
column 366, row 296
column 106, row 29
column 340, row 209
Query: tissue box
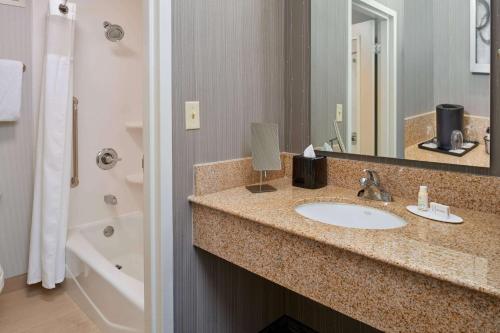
column 310, row 173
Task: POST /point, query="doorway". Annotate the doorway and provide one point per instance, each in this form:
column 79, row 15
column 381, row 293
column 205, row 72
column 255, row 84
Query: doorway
column 372, row 76
column 364, row 108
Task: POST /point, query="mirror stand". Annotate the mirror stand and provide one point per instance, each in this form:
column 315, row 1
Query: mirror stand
column 260, row 187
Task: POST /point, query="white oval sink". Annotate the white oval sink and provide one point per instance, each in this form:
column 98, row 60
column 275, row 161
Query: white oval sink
column 350, row 216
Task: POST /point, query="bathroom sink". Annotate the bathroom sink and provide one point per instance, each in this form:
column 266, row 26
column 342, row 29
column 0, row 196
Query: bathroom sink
column 350, row 216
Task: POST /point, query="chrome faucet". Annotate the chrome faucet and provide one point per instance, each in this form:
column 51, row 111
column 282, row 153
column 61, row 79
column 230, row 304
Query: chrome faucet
column 371, row 189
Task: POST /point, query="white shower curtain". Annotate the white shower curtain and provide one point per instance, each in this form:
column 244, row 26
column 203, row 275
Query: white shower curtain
column 53, row 155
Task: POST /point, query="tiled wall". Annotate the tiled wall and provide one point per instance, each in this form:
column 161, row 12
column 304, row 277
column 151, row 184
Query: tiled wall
column 109, row 83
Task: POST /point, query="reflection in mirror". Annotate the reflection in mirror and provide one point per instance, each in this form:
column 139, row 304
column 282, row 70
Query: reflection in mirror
column 265, row 147
column 402, row 78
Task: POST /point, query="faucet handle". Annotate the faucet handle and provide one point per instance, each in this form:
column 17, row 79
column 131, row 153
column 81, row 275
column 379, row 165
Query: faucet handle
column 372, row 177
column 107, row 158
column 364, row 181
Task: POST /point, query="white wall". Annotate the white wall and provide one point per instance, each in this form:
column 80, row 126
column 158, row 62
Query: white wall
column 16, row 147
column 109, row 81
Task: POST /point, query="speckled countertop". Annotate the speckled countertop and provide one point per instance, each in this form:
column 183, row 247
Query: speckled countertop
column 467, row 255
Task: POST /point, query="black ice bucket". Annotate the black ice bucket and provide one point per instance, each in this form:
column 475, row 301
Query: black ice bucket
column 449, row 118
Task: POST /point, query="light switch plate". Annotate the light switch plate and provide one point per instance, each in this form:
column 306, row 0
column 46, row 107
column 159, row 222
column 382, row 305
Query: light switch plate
column 340, row 112
column 192, row 115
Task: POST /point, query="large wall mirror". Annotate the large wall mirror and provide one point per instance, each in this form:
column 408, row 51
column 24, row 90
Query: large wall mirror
column 404, row 79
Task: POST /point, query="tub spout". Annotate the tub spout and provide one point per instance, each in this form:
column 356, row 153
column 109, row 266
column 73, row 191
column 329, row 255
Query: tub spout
column 110, row 199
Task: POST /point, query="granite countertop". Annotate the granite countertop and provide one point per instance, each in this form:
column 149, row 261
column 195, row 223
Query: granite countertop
column 467, row 255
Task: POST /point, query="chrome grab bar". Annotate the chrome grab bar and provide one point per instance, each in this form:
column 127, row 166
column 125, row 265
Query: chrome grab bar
column 74, row 178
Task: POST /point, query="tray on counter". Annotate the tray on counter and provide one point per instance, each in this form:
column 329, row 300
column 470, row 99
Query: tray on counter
column 448, row 152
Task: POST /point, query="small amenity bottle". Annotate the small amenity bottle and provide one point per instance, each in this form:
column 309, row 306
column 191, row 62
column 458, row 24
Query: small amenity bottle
column 423, row 199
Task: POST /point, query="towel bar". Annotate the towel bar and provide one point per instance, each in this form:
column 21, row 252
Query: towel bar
column 75, row 181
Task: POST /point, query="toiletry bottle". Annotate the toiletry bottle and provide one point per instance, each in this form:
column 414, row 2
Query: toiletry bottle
column 423, row 198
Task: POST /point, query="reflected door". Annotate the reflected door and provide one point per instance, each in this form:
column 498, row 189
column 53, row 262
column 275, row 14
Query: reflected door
column 363, row 136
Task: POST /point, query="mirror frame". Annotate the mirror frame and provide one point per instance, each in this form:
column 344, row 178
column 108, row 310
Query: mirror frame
column 494, row 169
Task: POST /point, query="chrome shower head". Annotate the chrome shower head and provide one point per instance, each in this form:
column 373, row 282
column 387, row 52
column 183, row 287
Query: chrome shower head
column 63, row 7
column 113, row 32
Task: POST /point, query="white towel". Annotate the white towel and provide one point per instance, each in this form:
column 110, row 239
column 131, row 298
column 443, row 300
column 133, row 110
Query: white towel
column 11, row 88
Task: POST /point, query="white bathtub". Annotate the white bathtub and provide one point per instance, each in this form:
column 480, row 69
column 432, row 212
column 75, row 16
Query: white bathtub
column 105, row 275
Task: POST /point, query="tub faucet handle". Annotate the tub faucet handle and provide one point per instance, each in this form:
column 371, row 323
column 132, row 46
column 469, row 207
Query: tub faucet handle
column 107, row 158
column 110, row 199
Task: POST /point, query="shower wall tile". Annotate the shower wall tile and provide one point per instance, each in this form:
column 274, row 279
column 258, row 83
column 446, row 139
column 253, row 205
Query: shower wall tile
column 109, row 83
column 16, row 147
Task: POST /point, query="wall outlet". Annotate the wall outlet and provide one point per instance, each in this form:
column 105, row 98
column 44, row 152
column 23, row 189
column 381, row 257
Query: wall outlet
column 340, row 113
column 192, row 115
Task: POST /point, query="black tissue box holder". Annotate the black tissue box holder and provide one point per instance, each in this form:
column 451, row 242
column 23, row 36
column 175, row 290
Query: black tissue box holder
column 310, row 173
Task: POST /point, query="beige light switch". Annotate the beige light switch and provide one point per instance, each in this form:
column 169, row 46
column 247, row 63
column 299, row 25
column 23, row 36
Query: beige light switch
column 340, row 113
column 192, row 115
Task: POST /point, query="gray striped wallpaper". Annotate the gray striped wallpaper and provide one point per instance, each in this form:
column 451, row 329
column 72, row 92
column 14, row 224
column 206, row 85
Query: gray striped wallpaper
column 16, row 148
column 436, row 59
column 418, row 64
column 453, row 81
column 229, row 55
column 328, row 67
column 297, row 75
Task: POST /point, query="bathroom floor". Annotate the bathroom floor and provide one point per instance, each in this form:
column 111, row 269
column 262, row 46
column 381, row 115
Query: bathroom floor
column 36, row 310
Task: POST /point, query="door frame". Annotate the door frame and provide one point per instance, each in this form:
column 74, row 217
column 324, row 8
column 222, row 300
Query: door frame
column 356, row 39
column 158, row 189
column 366, row 117
column 387, row 116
